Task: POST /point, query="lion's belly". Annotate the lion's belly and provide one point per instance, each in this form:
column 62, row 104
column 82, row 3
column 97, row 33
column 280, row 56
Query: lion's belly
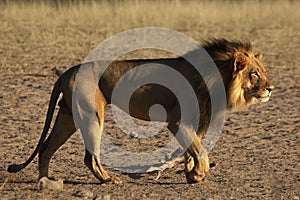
column 148, row 102
column 131, row 86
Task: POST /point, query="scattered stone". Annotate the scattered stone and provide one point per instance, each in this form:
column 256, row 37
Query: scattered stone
column 104, row 197
column 83, row 193
column 47, row 184
column 134, row 134
column 168, row 156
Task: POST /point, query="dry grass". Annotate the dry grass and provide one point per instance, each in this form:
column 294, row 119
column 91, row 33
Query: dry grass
column 69, row 33
column 124, row 15
column 171, row 14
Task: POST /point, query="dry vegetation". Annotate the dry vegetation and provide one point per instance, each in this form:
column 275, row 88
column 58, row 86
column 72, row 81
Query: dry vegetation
column 69, row 33
column 257, row 160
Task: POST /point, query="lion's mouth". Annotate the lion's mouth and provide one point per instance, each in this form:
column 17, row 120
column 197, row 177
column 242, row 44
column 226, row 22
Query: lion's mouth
column 263, row 99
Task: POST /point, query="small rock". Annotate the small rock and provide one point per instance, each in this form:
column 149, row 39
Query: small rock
column 168, row 157
column 144, row 195
column 134, row 134
column 104, row 197
column 47, row 184
column 83, row 193
column 296, row 198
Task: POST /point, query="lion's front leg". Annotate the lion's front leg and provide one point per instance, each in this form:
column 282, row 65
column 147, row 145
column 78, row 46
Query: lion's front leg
column 196, row 159
column 196, row 163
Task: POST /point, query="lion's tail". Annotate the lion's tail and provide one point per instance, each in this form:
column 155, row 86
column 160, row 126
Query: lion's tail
column 54, row 97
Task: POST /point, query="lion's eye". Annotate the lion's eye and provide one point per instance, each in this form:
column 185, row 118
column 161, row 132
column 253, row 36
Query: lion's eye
column 256, row 74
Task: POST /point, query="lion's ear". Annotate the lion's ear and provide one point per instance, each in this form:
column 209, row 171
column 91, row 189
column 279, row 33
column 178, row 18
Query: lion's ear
column 259, row 56
column 240, row 62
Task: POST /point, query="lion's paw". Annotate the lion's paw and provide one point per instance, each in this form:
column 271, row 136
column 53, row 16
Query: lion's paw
column 194, row 177
column 113, row 180
column 116, row 180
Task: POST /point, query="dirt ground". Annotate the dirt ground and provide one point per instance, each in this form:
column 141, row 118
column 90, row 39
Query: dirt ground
column 257, row 155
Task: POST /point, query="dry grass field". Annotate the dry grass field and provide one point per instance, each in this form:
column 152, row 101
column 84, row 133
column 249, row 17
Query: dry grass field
column 258, row 153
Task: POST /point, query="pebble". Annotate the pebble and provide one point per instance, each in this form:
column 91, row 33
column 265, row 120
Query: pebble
column 104, row 197
column 168, row 157
column 47, row 184
column 134, row 134
column 83, row 193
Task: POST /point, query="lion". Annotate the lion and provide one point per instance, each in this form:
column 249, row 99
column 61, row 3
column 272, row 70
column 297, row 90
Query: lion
column 243, row 76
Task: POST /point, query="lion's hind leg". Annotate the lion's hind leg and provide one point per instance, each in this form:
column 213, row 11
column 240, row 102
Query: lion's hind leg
column 90, row 160
column 62, row 130
column 96, row 168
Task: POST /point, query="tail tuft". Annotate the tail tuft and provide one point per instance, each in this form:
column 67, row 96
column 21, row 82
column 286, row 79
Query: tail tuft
column 15, row 168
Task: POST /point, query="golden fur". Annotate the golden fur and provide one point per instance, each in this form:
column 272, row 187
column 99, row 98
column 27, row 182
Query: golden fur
column 243, row 75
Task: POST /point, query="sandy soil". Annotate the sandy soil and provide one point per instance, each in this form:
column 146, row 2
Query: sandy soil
column 257, row 155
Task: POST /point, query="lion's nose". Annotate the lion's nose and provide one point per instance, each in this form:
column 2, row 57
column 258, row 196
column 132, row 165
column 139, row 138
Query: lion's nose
column 270, row 88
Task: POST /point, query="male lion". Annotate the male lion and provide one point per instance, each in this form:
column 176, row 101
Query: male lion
column 244, row 78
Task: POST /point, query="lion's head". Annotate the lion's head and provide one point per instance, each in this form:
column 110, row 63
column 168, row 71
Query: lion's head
column 243, row 73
